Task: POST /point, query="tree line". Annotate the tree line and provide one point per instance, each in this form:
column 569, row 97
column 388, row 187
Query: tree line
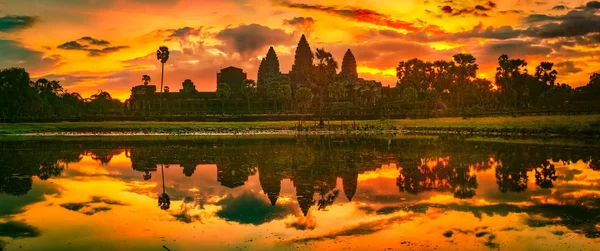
column 455, row 85
column 20, row 97
column 433, row 88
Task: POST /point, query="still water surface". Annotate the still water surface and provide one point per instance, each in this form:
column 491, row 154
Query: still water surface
column 297, row 193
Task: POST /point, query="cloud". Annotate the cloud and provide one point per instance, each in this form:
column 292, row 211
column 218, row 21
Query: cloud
column 95, row 41
column 16, row 23
column 301, row 24
column 94, row 47
column 593, row 5
column 363, row 16
column 515, row 48
column 246, row 40
column 18, row 229
column 181, row 33
column 247, row 208
column 560, row 7
column 568, row 67
column 478, row 10
column 16, row 55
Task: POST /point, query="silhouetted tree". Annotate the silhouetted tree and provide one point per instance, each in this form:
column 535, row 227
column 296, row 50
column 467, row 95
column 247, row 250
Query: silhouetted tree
column 326, row 72
column 162, row 54
column 465, row 69
column 249, row 90
column 223, row 94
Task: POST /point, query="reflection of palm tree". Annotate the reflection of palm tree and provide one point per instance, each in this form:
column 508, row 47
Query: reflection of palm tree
column 164, row 201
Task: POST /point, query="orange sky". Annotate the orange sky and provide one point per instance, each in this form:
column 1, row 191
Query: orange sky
column 109, row 44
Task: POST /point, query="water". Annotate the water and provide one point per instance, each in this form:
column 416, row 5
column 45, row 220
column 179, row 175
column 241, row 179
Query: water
column 297, row 193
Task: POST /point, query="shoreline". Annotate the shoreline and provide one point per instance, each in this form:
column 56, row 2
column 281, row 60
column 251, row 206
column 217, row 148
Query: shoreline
column 580, row 126
column 510, row 132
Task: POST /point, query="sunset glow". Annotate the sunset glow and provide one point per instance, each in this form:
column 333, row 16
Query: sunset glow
column 91, row 45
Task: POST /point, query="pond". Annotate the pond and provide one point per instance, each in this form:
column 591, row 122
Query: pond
column 297, row 193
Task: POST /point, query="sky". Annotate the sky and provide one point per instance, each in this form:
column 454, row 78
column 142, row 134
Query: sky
column 91, row 45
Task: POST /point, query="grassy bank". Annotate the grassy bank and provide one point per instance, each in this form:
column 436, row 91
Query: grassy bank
column 585, row 125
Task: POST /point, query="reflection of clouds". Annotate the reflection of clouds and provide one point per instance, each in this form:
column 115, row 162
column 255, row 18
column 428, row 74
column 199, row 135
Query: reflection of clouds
column 95, row 205
column 303, row 223
column 249, row 208
column 10, row 205
column 18, row 229
column 363, row 228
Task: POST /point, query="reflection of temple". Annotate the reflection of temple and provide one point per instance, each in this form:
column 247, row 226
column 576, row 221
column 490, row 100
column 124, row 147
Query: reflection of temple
column 312, row 164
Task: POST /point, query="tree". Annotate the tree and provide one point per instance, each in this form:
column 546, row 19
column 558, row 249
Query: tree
column 16, row 95
column 336, row 90
column 409, row 97
column 162, row 54
column 304, row 98
column 465, row 69
column 147, row 79
column 249, row 90
column 277, row 90
column 326, row 71
column 511, row 78
column 223, row 94
column 284, row 95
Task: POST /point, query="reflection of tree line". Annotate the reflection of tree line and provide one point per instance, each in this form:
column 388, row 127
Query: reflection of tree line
column 312, row 164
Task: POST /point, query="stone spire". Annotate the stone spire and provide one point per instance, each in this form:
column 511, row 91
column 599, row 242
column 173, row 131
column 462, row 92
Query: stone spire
column 270, row 182
column 349, row 65
column 350, row 182
column 303, row 61
column 269, row 67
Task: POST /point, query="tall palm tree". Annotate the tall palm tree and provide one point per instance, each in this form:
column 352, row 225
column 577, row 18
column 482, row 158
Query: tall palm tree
column 146, row 79
column 162, row 54
column 326, row 71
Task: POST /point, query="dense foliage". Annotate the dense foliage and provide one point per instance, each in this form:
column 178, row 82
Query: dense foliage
column 20, row 97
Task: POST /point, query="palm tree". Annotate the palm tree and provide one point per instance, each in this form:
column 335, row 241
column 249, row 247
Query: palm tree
column 162, row 54
column 326, row 72
column 249, row 90
column 146, row 79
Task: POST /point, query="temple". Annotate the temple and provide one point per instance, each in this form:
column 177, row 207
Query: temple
column 271, row 93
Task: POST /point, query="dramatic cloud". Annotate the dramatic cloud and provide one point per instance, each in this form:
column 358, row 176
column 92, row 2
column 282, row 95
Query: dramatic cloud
column 574, row 23
column 477, row 10
column 568, row 67
column 182, row 33
column 515, row 49
column 248, row 39
column 16, row 23
column 94, row 47
column 249, row 209
column 363, row 16
column 16, row 55
column 301, row 24
column 593, row 5
column 93, row 41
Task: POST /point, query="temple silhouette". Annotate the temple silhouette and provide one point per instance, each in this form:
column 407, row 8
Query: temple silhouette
column 146, row 97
